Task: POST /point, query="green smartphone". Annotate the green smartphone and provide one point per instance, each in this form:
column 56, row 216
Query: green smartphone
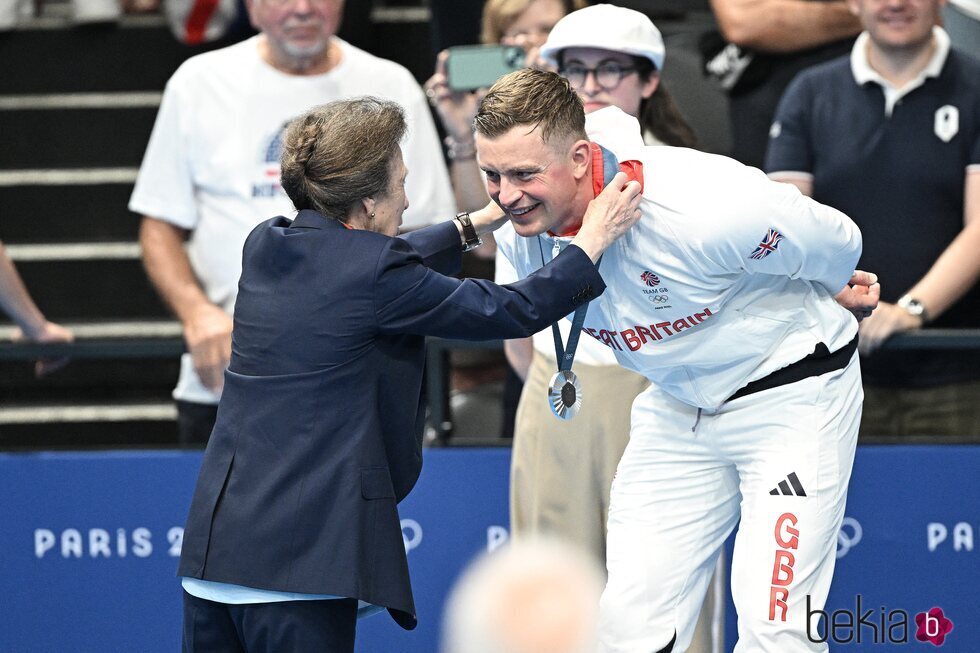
column 478, row 66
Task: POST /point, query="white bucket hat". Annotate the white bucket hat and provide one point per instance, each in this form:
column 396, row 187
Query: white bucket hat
column 607, row 27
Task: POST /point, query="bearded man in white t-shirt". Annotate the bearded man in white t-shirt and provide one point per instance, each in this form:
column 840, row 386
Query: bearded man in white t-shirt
column 211, row 170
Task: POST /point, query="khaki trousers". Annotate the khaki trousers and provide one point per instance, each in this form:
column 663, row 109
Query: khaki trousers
column 561, row 471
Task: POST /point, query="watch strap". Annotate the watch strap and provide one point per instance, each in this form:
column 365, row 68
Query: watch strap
column 471, row 240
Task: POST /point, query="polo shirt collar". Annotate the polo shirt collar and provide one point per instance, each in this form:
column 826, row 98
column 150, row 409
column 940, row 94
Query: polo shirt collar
column 864, row 73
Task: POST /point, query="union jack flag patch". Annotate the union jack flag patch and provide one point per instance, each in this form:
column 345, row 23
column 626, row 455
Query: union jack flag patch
column 768, row 244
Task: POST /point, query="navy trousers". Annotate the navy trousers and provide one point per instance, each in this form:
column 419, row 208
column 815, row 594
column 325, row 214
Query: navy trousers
column 297, row 626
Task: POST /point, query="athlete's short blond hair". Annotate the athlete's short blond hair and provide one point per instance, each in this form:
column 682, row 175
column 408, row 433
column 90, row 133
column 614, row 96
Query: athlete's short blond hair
column 535, row 98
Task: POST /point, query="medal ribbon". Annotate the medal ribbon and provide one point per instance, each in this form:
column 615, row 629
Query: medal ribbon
column 565, row 355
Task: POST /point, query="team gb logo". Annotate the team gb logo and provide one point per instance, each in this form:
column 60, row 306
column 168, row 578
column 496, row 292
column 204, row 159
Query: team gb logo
column 650, row 279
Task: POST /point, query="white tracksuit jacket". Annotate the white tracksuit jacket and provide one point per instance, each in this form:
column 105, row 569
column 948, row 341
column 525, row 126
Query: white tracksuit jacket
column 727, row 277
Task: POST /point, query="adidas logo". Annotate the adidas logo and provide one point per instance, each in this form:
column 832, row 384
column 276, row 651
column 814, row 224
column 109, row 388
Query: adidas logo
column 785, row 488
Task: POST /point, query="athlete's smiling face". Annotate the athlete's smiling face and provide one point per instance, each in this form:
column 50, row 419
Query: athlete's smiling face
column 539, row 185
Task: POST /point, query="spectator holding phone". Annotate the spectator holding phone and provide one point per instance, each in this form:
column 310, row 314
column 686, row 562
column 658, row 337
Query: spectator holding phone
column 523, row 23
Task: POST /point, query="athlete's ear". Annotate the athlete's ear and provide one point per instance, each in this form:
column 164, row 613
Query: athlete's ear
column 580, row 154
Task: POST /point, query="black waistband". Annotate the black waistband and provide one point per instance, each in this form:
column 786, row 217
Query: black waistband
column 819, row 362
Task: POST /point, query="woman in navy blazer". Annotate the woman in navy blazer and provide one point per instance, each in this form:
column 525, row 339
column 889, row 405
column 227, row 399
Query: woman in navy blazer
column 294, row 523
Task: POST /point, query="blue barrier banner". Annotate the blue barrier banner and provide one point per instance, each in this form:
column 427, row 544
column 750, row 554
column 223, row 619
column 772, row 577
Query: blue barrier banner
column 458, row 510
column 907, row 546
column 88, row 550
column 90, row 541
column 89, row 545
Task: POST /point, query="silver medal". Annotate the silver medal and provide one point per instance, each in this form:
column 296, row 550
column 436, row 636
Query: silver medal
column 565, row 394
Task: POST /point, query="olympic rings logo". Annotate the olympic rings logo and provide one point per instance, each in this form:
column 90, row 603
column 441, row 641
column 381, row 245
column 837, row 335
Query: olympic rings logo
column 659, row 299
column 411, row 534
column 848, row 536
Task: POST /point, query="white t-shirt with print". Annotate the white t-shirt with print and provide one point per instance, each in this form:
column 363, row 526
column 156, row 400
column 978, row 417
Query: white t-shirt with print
column 212, row 163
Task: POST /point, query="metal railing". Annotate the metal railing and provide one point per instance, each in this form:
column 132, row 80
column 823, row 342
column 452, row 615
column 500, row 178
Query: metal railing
column 437, row 358
column 149, row 347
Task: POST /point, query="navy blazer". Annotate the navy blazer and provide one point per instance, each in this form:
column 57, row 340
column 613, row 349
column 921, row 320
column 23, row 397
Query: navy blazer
column 319, row 428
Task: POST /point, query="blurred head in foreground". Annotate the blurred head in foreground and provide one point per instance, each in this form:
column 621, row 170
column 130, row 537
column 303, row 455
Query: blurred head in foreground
column 535, row 596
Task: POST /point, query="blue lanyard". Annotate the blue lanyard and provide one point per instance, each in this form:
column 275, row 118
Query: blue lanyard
column 565, row 355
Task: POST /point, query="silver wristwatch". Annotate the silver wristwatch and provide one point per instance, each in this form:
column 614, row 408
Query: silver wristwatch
column 913, row 307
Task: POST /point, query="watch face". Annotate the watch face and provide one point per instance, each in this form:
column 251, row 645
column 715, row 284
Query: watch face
column 912, row 306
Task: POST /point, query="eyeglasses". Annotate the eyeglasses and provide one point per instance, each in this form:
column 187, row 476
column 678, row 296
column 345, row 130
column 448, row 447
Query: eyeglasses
column 607, row 75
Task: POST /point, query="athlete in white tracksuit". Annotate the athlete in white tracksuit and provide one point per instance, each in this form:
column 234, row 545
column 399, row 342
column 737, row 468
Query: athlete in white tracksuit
column 727, row 278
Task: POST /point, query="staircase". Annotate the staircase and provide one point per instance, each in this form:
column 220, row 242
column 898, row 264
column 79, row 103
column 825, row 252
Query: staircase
column 77, row 105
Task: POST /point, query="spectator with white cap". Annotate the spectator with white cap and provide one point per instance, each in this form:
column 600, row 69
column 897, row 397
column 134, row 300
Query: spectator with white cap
column 613, row 57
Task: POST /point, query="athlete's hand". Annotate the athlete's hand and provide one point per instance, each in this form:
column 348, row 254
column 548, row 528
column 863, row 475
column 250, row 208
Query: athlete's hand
column 208, row 337
column 860, row 295
column 610, row 215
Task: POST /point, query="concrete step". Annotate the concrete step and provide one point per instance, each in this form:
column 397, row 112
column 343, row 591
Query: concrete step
column 137, row 55
column 114, row 330
column 89, row 381
column 121, row 372
column 92, row 289
column 67, row 212
column 139, row 52
column 83, row 137
column 81, row 413
column 80, row 426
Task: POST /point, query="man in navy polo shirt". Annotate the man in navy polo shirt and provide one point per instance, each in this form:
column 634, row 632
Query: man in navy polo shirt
column 891, row 137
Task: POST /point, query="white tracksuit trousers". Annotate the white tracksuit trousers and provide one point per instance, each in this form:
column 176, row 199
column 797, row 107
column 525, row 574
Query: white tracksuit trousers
column 779, row 460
